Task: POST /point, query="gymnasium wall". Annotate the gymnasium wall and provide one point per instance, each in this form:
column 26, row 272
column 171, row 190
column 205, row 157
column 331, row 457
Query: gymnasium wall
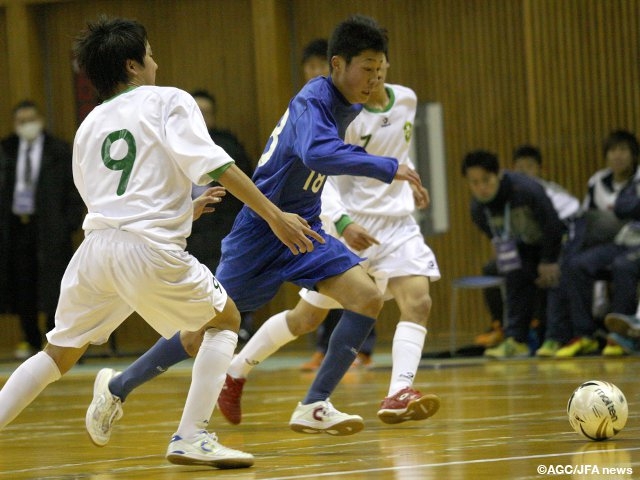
column 558, row 73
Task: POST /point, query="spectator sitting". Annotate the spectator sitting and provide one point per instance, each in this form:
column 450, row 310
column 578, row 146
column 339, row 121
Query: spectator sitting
column 625, row 273
column 514, row 211
column 527, row 159
column 590, row 252
column 624, row 333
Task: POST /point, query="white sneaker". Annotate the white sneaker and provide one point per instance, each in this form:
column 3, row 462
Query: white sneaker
column 319, row 417
column 104, row 410
column 205, row 450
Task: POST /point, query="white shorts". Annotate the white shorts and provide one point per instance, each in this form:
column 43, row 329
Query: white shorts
column 114, row 273
column 402, row 252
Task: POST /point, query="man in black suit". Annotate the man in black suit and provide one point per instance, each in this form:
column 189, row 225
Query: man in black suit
column 39, row 210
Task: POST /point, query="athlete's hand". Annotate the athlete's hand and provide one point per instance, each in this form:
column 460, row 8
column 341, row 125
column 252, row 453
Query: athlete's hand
column 358, row 238
column 421, row 197
column 210, row 196
column 294, row 232
column 407, row 173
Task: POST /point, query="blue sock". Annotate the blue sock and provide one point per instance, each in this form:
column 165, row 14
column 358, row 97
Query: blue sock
column 344, row 344
column 155, row 361
column 369, row 343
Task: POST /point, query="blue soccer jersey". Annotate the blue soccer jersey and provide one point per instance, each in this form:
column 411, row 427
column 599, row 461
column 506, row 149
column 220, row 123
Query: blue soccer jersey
column 305, row 147
column 308, row 144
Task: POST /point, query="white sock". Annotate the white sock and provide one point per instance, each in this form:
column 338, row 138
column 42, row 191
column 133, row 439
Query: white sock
column 406, row 353
column 638, row 311
column 270, row 337
column 25, row 384
column 207, row 378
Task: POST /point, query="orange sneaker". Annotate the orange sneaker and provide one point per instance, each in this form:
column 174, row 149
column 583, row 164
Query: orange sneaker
column 314, row 363
column 363, row 360
column 492, row 337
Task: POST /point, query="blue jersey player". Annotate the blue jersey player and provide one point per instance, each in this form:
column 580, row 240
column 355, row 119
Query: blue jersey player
column 306, row 146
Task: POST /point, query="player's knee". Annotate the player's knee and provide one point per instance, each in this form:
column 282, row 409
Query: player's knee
column 228, row 319
column 368, row 302
column 416, row 309
column 300, row 323
column 376, row 301
column 191, row 341
column 64, row 357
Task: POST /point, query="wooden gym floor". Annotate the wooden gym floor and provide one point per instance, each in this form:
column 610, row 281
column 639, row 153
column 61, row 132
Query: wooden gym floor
column 498, row 420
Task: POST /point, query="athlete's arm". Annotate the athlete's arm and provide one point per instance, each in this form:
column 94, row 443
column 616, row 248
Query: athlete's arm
column 202, row 203
column 291, row 229
column 332, row 207
column 407, row 173
column 420, row 196
column 358, row 237
column 322, row 150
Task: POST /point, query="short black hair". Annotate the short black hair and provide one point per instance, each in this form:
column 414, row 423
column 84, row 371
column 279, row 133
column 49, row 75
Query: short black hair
column 481, row 158
column 202, row 93
column 315, row 48
column 26, row 103
column 355, row 35
column 529, row 151
column 622, row 137
column 103, row 49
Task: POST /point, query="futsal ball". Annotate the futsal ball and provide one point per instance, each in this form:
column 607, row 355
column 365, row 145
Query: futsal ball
column 597, row 410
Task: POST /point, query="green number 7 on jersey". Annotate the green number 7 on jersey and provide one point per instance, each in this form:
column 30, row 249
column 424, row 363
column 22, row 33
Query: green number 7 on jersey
column 124, row 162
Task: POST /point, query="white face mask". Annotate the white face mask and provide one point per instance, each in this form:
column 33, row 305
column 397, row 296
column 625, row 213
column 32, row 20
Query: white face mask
column 29, row 131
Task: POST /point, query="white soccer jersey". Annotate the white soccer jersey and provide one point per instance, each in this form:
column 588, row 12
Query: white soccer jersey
column 564, row 203
column 602, row 191
column 387, row 131
column 135, row 158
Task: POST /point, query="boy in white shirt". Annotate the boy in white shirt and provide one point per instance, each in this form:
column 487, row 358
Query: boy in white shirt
column 135, row 158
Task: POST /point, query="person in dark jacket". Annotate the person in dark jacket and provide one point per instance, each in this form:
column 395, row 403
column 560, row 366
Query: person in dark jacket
column 39, row 210
column 514, row 211
column 591, row 251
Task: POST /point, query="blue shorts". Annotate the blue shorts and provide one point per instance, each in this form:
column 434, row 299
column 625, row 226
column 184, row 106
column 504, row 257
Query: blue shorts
column 255, row 263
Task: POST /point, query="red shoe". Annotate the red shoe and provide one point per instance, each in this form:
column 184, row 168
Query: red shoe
column 408, row 404
column 229, row 399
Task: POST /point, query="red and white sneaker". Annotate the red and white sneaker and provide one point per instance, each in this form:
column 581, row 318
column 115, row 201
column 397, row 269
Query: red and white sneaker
column 408, row 404
column 229, row 399
column 323, row 417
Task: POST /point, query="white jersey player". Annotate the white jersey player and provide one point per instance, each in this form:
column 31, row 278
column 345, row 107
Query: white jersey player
column 134, row 160
column 383, row 210
column 143, row 160
column 376, row 221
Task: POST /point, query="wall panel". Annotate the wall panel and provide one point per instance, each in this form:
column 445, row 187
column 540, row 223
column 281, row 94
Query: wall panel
column 196, row 43
column 560, row 74
column 585, row 57
column 557, row 73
